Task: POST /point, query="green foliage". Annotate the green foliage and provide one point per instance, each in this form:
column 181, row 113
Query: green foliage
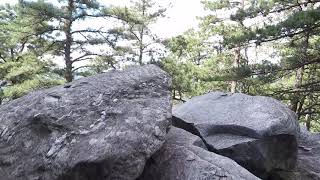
column 216, row 56
column 26, row 75
column 34, row 83
column 57, row 32
column 219, row 4
column 290, row 27
column 143, row 43
column 21, row 65
column 192, row 64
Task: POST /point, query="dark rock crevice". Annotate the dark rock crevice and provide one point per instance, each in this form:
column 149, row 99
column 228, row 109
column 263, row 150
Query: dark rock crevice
column 249, row 154
column 189, row 127
column 88, row 170
column 275, row 152
column 180, row 159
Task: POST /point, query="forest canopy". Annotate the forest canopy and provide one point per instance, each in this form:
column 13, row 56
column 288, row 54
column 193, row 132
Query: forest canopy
column 258, row 47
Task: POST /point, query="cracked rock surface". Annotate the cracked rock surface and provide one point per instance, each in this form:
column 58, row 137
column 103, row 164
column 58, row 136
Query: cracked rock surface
column 102, row 127
column 184, row 157
column 257, row 132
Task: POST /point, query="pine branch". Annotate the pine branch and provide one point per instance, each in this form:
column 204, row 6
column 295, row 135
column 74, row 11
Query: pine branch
column 259, row 41
column 297, row 4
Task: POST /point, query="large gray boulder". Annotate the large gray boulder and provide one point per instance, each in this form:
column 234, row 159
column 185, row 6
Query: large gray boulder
column 184, row 157
column 257, row 132
column 102, row 127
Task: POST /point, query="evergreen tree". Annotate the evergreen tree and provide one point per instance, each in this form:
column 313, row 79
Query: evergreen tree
column 55, row 25
column 292, row 27
column 222, row 22
column 22, row 68
column 147, row 12
column 297, row 32
column 231, row 28
column 191, row 62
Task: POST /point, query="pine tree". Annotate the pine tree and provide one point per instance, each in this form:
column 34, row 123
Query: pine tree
column 191, row 62
column 292, row 27
column 229, row 29
column 147, row 12
column 22, row 69
column 55, row 24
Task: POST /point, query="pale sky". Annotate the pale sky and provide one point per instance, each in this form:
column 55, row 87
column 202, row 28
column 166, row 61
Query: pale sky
column 181, row 16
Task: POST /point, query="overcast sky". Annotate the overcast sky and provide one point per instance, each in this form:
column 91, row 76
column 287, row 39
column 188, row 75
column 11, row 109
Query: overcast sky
column 181, row 16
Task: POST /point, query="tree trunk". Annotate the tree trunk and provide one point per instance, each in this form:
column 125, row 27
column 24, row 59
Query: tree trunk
column 234, row 83
column 68, row 43
column 308, row 122
column 236, row 62
column 296, row 101
column 12, row 54
column 141, row 34
column 141, row 49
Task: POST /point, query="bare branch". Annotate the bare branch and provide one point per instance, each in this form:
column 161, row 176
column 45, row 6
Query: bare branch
column 84, row 57
column 89, row 31
column 3, row 59
column 80, row 67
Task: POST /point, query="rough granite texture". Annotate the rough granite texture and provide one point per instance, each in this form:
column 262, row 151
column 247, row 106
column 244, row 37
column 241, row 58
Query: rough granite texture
column 102, row 127
column 184, row 157
column 257, row 132
column 308, row 165
column 254, row 116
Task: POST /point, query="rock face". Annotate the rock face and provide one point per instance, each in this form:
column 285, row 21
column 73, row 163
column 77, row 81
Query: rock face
column 184, row 157
column 102, row 127
column 257, row 132
column 308, row 165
